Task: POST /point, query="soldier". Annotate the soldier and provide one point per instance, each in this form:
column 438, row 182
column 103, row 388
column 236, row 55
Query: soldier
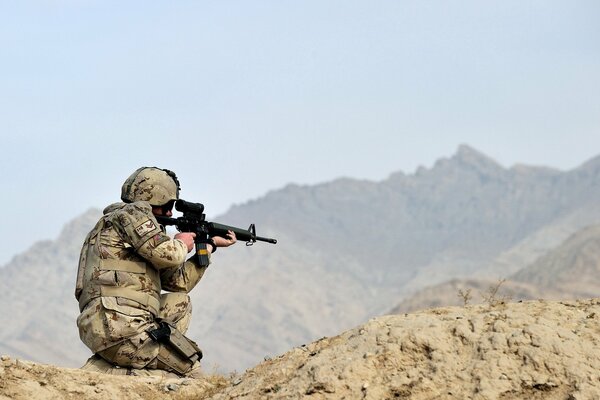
column 126, row 261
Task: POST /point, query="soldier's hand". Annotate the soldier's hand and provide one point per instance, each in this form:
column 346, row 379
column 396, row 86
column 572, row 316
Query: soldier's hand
column 187, row 238
column 225, row 242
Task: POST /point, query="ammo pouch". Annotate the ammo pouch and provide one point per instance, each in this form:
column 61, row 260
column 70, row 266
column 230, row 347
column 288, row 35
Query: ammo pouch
column 176, row 352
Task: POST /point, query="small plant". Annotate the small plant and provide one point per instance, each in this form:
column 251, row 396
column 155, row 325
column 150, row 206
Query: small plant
column 465, row 295
column 491, row 296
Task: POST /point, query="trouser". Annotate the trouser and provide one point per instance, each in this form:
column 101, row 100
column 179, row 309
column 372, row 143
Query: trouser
column 173, row 352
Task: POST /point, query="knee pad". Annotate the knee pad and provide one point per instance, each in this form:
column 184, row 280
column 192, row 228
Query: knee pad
column 177, row 352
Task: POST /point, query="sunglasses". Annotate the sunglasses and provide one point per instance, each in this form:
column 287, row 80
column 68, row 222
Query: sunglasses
column 168, row 206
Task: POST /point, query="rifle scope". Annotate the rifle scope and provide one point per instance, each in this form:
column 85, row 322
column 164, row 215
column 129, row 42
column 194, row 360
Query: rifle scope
column 189, row 207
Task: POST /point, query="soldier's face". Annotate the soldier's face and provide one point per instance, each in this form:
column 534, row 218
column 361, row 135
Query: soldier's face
column 159, row 211
column 164, row 210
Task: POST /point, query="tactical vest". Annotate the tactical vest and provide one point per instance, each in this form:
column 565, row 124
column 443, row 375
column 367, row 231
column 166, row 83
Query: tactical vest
column 133, row 279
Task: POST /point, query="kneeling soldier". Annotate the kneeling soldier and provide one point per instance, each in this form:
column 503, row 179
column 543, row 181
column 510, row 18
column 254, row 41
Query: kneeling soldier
column 127, row 260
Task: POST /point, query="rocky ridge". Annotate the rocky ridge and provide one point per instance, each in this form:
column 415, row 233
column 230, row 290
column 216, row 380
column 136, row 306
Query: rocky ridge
column 529, row 350
column 568, row 271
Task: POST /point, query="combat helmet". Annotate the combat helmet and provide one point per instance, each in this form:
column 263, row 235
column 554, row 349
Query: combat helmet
column 155, row 185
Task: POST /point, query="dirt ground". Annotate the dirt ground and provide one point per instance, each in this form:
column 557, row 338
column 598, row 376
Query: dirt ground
column 531, row 350
column 25, row 380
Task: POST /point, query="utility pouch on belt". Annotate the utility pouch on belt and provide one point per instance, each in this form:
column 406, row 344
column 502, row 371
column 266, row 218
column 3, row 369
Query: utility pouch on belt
column 176, row 351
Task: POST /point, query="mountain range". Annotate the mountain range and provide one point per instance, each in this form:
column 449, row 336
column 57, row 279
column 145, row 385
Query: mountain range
column 348, row 250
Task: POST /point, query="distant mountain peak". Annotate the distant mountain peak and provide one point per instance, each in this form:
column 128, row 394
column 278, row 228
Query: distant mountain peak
column 80, row 225
column 465, row 158
column 468, row 155
column 592, row 164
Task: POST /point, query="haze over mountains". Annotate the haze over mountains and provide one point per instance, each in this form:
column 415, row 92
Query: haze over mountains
column 569, row 271
column 348, row 250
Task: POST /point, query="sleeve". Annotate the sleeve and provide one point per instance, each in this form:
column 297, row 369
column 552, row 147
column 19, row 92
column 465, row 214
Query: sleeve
column 163, row 252
column 184, row 278
column 139, row 228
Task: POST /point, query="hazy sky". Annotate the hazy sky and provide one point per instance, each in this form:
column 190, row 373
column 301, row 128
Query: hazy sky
column 242, row 97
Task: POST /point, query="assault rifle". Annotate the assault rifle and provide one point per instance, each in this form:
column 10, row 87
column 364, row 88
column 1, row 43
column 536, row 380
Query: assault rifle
column 193, row 220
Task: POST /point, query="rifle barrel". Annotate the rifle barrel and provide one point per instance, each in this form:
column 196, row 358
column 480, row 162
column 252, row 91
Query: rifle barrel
column 264, row 239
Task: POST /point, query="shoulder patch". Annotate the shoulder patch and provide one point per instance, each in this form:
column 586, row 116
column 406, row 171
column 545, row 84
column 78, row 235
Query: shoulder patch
column 160, row 239
column 145, row 227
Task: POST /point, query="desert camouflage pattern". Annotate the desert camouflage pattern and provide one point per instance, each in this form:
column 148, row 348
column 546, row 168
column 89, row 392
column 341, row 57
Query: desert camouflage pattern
column 98, row 364
column 125, row 263
column 155, row 185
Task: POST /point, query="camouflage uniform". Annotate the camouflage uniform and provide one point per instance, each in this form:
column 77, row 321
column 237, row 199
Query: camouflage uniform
column 125, row 262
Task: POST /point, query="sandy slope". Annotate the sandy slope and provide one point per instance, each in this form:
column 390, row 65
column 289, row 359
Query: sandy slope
column 529, row 350
column 25, row 380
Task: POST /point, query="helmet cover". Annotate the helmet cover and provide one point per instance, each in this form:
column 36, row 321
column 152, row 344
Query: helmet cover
column 155, row 185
